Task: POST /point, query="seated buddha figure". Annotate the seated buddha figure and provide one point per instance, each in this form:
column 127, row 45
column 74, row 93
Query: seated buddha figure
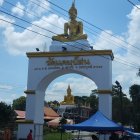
column 69, row 98
column 73, row 30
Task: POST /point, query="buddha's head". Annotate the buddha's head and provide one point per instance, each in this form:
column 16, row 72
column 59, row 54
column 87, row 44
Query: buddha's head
column 73, row 12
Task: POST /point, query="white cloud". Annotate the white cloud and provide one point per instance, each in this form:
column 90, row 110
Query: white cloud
column 3, row 23
column 18, row 9
column 1, row 2
column 37, row 7
column 20, row 42
column 129, row 76
column 134, row 29
column 106, row 40
column 6, row 87
column 6, row 100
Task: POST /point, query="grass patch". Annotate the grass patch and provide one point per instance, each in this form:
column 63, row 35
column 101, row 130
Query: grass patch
column 56, row 136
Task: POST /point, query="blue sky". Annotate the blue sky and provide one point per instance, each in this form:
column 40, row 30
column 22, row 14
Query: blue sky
column 117, row 17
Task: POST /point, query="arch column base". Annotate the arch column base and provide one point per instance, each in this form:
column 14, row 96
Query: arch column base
column 24, row 128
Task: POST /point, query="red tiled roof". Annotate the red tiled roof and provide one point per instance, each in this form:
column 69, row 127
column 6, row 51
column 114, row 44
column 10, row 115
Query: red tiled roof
column 20, row 114
column 49, row 118
column 49, row 112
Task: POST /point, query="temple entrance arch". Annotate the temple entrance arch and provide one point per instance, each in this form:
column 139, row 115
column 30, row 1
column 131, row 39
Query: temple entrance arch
column 44, row 67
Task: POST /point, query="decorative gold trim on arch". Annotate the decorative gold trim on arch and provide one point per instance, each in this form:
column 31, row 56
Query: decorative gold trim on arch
column 71, row 53
column 104, row 91
column 29, row 91
column 25, row 121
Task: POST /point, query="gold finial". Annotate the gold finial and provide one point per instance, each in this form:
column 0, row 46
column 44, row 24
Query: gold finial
column 68, row 90
column 73, row 10
column 74, row 2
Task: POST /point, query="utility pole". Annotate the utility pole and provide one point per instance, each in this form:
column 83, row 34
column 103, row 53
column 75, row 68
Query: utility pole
column 121, row 99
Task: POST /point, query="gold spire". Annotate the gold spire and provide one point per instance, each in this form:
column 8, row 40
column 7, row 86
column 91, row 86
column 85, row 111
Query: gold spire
column 68, row 90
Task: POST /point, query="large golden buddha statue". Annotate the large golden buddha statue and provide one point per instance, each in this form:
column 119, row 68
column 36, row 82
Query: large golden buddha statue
column 69, row 98
column 73, row 30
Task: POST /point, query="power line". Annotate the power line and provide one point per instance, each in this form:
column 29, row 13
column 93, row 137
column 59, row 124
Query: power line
column 132, row 64
column 44, row 29
column 30, row 29
column 32, row 14
column 45, row 8
column 134, row 4
column 50, row 38
column 35, row 31
column 27, row 22
column 133, row 52
column 25, row 28
column 95, row 26
column 114, row 42
column 34, row 24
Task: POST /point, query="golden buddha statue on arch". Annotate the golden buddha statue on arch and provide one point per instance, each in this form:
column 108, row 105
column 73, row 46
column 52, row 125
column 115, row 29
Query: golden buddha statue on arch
column 69, row 98
column 73, row 30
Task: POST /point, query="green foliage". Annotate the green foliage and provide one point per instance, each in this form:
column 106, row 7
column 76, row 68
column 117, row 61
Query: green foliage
column 116, row 111
column 118, row 115
column 62, row 121
column 19, row 104
column 92, row 100
column 52, row 104
column 134, row 92
column 7, row 114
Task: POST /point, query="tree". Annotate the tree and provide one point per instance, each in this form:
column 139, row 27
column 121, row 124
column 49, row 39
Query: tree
column 77, row 100
column 7, row 114
column 134, row 92
column 116, row 112
column 93, row 100
column 53, row 104
column 116, row 105
column 19, row 103
column 62, row 121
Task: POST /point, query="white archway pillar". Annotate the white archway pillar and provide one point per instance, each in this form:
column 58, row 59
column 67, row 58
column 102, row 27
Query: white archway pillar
column 24, row 126
column 34, row 116
column 39, row 107
column 105, row 103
